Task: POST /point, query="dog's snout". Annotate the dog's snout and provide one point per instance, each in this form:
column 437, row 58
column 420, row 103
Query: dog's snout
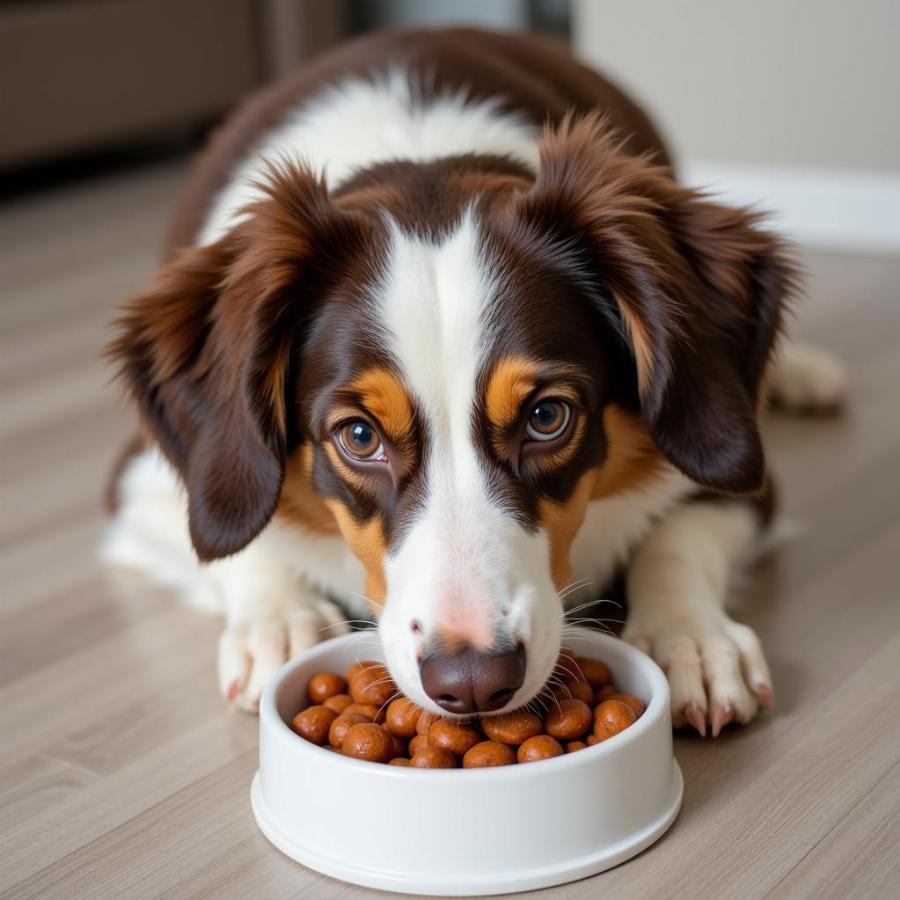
column 470, row 680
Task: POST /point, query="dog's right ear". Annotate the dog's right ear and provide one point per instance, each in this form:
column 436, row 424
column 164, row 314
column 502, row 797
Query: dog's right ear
column 208, row 353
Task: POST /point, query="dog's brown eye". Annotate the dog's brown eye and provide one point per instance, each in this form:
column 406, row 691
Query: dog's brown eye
column 361, row 441
column 548, row 420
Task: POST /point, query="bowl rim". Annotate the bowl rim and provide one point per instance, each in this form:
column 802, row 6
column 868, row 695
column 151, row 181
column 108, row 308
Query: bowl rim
column 278, row 728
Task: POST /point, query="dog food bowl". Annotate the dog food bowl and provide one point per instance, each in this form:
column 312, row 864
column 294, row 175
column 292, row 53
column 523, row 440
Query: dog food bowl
column 461, row 832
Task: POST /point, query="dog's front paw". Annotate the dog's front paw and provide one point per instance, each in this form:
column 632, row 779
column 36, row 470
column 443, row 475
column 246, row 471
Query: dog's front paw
column 251, row 652
column 717, row 672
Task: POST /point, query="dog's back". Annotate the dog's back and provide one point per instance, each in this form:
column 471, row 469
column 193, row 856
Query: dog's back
column 402, row 95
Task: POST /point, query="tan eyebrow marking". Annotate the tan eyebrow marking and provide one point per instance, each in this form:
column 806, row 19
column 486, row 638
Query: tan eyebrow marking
column 383, row 394
column 509, row 385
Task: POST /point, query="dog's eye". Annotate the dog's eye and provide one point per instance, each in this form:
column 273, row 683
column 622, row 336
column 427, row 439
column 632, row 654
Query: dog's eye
column 548, row 420
column 361, row 441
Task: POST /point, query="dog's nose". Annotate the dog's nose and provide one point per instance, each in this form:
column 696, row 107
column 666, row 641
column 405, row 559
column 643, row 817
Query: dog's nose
column 473, row 680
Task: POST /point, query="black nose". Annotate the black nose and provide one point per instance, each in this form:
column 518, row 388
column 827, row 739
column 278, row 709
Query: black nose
column 473, row 680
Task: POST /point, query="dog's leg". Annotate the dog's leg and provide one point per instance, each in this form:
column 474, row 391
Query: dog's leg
column 270, row 612
column 677, row 584
column 806, row 379
column 271, row 615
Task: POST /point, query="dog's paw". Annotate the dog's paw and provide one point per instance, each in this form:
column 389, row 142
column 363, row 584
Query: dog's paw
column 251, row 652
column 716, row 674
column 808, row 380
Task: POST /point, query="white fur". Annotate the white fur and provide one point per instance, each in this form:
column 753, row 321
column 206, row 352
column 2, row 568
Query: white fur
column 271, row 593
column 464, row 557
column 807, row 379
column 678, row 582
column 363, row 121
column 613, row 526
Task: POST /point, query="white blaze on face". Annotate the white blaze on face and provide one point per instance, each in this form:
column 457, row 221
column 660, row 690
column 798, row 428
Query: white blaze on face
column 465, row 566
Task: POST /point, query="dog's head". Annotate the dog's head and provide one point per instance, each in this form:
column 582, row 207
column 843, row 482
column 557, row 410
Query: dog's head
column 446, row 362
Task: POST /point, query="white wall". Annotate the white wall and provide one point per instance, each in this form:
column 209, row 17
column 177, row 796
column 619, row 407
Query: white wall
column 794, row 104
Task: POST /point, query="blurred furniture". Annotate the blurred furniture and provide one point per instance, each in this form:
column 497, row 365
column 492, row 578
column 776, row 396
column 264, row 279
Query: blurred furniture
column 81, row 75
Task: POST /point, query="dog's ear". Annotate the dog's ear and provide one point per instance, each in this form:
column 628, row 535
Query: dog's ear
column 208, row 353
column 696, row 290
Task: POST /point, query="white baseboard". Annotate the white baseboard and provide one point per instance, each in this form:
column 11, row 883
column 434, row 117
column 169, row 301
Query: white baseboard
column 834, row 208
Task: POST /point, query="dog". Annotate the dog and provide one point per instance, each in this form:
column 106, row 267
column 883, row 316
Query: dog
column 440, row 341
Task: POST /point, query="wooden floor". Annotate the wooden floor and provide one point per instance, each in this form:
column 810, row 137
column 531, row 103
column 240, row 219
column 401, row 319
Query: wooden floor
column 122, row 773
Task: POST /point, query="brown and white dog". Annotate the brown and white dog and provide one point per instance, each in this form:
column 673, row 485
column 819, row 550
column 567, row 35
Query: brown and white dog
column 440, row 338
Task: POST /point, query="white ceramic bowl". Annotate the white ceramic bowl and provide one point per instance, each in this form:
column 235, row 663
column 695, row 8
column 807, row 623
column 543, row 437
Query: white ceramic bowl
column 461, row 832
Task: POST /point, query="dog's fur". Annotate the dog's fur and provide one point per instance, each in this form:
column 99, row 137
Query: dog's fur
column 433, row 232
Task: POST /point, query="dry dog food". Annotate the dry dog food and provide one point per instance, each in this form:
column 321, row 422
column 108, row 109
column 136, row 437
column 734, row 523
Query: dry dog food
column 360, row 715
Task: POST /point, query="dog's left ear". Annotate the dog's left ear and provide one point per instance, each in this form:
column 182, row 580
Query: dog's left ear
column 696, row 289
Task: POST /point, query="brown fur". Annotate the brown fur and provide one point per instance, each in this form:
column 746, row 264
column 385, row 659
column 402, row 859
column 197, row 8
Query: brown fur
column 656, row 309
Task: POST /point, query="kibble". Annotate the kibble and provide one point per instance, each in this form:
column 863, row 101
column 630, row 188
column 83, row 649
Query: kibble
column 433, row 758
column 341, row 725
column 372, row 684
column 372, row 712
column 568, row 720
column 368, row 741
column 452, row 736
column 325, row 685
column 313, row 723
column 339, row 702
column 402, row 717
column 541, row 746
column 635, row 703
column 512, row 728
column 573, row 689
column 359, row 714
column 488, row 753
column 611, row 717
column 593, row 671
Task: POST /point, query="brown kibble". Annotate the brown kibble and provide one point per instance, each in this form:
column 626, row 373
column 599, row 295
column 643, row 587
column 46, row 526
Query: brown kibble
column 541, row 746
column 512, row 728
column 590, row 740
column 604, row 693
column 572, row 746
column 341, row 725
column 368, row 741
column 565, row 665
column 402, row 717
column 488, row 753
column 358, row 667
column 325, row 685
column 433, row 758
column 568, row 720
column 399, row 761
column 313, row 723
column 572, row 689
column 424, row 722
column 369, row 710
column 453, row 736
column 594, row 672
column 419, row 742
column 339, row 702
column 635, row 703
column 398, row 747
column 372, row 685
column 611, row 717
